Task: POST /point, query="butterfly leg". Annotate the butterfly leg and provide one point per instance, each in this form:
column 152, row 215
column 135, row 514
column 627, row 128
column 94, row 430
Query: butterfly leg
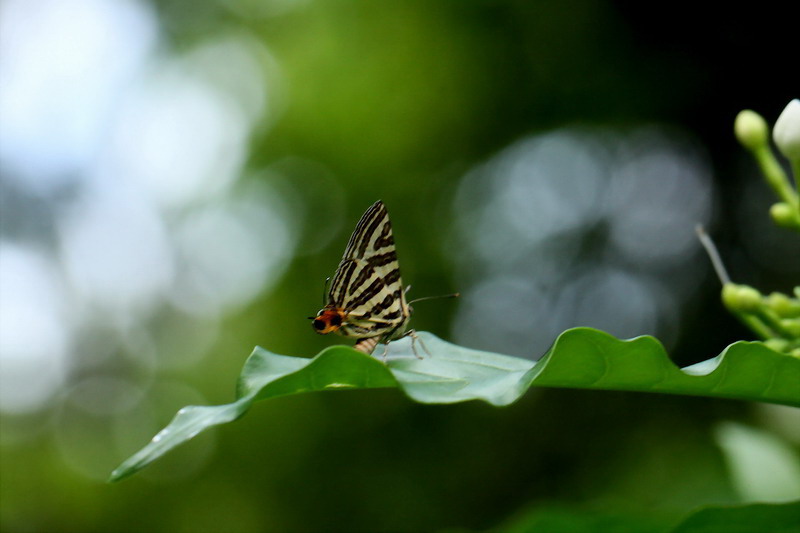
column 385, row 354
column 414, row 339
column 414, row 347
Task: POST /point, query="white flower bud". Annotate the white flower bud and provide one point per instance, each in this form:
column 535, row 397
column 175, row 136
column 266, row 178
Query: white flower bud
column 787, row 131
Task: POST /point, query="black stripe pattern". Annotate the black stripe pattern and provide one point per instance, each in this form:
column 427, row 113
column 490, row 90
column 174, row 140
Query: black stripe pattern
column 367, row 283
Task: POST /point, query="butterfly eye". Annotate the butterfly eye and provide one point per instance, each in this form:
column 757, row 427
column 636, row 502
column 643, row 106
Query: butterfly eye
column 319, row 324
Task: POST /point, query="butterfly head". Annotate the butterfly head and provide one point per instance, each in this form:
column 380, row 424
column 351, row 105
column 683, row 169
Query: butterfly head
column 327, row 320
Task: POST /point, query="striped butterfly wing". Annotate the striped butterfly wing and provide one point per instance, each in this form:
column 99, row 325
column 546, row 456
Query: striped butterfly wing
column 367, row 284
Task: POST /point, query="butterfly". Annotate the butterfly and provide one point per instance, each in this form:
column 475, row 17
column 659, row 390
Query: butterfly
column 365, row 299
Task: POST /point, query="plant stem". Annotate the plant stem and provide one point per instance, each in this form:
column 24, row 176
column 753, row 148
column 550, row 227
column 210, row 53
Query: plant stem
column 771, row 321
column 756, row 325
column 776, row 177
column 713, row 254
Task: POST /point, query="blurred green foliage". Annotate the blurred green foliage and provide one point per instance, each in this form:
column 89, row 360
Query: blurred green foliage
column 396, row 100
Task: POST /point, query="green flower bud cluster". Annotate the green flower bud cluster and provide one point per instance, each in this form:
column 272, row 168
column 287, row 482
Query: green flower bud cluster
column 752, row 132
column 774, row 317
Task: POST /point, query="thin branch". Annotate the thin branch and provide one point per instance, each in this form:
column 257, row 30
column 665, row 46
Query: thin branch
column 713, row 254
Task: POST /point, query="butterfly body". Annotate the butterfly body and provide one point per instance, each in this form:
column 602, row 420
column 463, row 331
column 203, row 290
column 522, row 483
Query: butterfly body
column 365, row 299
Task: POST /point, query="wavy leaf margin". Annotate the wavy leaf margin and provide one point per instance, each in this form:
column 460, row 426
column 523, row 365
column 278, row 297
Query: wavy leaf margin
column 580, row 358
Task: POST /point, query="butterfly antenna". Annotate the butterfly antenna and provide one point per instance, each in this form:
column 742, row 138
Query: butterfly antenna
column 454, row 295
column 711, row 249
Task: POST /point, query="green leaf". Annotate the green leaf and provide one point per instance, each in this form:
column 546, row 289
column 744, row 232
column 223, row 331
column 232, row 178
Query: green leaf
column 580, row 358
column 754, row 518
